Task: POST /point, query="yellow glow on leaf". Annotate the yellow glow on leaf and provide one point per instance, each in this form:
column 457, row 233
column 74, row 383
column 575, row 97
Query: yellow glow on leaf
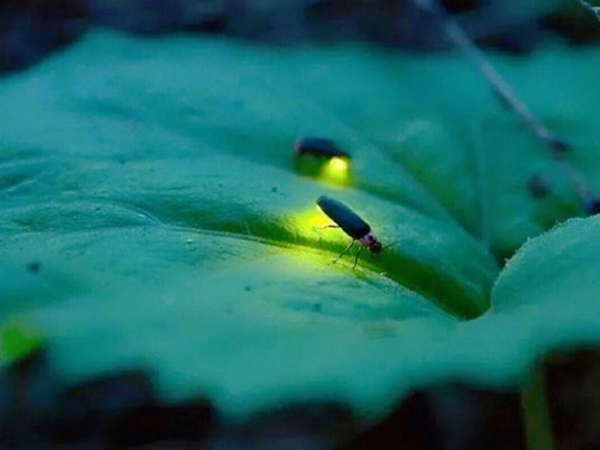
column 313, row 223
column 339, row 165
column 335, row 170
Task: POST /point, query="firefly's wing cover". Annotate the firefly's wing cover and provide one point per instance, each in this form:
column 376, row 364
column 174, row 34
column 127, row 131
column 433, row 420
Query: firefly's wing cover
column 321, row 147
column 347, row 219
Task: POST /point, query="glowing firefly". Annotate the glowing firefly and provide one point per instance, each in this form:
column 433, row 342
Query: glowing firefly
column 323, row 159
column 352, row 224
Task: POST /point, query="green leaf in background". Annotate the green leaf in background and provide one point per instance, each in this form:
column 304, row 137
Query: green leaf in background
column 154, row 183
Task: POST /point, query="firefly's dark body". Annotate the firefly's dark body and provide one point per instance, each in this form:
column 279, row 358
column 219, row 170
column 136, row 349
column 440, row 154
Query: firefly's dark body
column 352, row 224
column 319, row 147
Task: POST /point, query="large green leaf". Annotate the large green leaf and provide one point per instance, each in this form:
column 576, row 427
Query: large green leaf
column 546, row 298
column 153, row 184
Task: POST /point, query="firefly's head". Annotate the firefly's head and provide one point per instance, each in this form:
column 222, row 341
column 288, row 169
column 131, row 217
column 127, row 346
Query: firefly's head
column 371, row 242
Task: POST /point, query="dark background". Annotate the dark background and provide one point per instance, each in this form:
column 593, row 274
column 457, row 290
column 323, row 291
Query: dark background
column 30, row 29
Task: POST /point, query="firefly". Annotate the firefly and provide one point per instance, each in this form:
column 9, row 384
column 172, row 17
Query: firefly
column 352, row 224
column 323, row 159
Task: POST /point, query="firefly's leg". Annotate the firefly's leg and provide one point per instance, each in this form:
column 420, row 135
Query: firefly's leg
column 344, row 252
column 322, row 227
column 356, row 257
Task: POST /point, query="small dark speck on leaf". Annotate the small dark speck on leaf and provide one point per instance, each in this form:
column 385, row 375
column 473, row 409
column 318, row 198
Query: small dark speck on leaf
column 274, row 189
column 558, row 146
column 317, row 307
column 592, row 206
column 537, row 186
column 248, row 288
column 33, row 267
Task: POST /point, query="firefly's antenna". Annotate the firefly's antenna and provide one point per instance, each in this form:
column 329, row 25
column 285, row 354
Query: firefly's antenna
column 391, row 244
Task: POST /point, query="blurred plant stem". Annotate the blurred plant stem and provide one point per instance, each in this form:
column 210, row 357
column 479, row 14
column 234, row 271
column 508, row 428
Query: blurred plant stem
column 593, row 9
column 554, row 146
column 463, row 42
column 536, row 416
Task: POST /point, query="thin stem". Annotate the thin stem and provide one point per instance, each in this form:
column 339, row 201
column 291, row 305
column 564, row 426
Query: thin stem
column 593, row 9
column 462, row 41
column 538, row 429
column 553, row 145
